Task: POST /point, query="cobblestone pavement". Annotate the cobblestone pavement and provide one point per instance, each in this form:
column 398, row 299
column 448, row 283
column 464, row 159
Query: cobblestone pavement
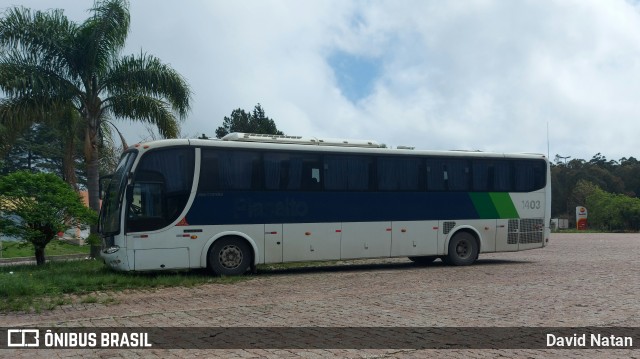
column 578, row 280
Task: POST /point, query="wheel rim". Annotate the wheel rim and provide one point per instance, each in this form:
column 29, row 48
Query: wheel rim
column 462, row 249
column 230, row 256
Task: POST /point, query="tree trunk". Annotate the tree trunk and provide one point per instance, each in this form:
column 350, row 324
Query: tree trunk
column 68, row 163
column 40, row 260
column 93, row 182
column 91, row 154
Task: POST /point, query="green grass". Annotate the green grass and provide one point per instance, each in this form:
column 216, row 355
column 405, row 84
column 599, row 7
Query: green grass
column 28, row 288
column 54, row 248
column 37, row 288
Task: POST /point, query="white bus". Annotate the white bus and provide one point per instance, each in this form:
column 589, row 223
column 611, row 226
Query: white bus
column 231, row 204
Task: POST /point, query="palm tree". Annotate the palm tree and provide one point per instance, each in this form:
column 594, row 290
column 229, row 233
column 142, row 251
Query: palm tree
column 48, row 63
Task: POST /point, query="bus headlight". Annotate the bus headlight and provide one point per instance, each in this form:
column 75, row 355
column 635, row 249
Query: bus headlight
column 112, row 250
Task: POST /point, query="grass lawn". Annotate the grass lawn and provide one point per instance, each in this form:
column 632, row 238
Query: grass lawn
column 12, row 249
column 36, row 288
column 27, row 287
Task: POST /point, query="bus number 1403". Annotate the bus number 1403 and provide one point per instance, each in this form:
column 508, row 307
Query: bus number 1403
column 532, row 204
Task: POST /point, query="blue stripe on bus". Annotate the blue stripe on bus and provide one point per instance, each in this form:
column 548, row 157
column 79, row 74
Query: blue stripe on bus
column 318, row 207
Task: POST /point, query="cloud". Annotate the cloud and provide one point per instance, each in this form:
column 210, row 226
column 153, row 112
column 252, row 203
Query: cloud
column 491, row 75
column 476, row 74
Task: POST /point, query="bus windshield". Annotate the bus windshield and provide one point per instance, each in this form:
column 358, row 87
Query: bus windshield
column 112, row 201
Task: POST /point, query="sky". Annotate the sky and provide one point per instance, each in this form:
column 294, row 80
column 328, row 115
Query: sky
column 544, row 76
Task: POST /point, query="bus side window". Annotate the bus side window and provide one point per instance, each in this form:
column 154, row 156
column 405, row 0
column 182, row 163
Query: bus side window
column 160, row 189
column 274, row 170
column 347, row 173
column 436, row 175
column 209, row 173
column 502, row 176
column 458, row 176
column 529, row 175
column 146, row 199
column 282, row 171
column 492, row 175
column 291, row 171
column 311, row 176
column 399, row 174
column 223, row 170
column 481, row 180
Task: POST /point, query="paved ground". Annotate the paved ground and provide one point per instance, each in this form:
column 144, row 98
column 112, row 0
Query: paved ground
column 578, row 280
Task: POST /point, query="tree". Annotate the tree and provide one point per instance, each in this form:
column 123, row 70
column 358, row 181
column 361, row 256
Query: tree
column 629, row 173
column 54, row 142
column 581, row 191
column 41, row 148
column 36, row 150
column 612, row 211
column 36, row 206
column 242, row 121
column 609, row 175
column 48, row 64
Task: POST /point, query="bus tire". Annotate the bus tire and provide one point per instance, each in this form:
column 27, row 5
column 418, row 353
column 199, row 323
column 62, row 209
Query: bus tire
column 423, row 260
column 230, row 256
column 463, row 250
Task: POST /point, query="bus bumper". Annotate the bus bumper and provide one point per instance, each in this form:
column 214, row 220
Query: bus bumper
column 116, row 258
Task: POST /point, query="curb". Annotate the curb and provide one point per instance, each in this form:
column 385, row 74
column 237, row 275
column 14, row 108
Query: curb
column 32, row 260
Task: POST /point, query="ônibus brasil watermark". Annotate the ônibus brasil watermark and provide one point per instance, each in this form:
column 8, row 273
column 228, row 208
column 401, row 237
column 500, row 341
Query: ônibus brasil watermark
column 322, row 337
column 33, row 338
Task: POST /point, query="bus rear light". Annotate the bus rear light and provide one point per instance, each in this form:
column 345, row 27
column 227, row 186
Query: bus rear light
column 194, row 237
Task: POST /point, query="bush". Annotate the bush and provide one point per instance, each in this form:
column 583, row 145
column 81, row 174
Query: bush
column 44, row 205
column 613, row 212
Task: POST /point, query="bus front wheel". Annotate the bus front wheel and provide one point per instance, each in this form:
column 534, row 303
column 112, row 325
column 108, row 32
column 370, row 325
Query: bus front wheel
column 229, row 256
column 463, row 249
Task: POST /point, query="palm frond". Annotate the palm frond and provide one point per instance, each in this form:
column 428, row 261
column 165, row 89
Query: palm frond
column 138, row 107
column 147, row 75
column 101, row 37
column 23, row 111
column 17, row 115
column 26, row 73
column 46, row 34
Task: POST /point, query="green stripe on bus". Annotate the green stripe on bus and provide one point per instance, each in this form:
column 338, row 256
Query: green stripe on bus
column 484, row 205
column 493, row 205
column 504, row 205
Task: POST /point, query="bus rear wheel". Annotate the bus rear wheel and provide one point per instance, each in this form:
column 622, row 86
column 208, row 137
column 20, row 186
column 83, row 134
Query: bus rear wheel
column 463, row 250
column 229, row 256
